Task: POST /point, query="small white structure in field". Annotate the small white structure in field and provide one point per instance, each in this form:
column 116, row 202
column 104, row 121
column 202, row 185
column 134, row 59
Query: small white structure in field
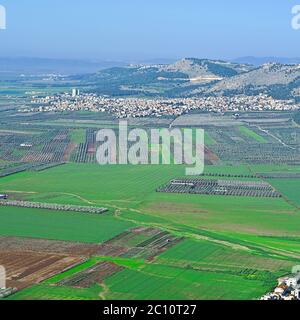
column 25, row 145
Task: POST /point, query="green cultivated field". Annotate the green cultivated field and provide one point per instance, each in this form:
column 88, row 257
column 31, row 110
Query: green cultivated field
column 208, row 139
column 234, row 247
column 36, row 223
column 248, row 132
column 131, row 189
column 165, row 282
column 289, row 188
column 124, row 185
column 203, row 254
column 190, row 270
column 250, row 215
column 78, row 136
column 46, row 292
column 156, row 282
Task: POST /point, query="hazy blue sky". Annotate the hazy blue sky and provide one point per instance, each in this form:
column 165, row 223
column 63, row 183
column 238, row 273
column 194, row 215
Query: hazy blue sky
column 141, row 29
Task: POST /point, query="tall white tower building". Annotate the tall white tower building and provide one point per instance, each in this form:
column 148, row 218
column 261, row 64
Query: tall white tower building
column 75, row 92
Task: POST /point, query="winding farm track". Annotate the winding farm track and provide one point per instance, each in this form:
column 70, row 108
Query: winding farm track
column 105, row 291
column 276, row 138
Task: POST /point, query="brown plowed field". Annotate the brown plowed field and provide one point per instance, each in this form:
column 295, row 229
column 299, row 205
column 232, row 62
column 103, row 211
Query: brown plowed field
column 29, row 261
column 26, row 268
column 48, row 246
column 210, row 156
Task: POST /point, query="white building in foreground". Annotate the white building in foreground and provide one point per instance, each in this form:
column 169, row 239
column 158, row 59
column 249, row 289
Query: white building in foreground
column 288, row 289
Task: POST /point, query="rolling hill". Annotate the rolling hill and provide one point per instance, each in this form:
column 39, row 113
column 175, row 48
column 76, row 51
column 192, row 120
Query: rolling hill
column 277, row 80
column 197, row 77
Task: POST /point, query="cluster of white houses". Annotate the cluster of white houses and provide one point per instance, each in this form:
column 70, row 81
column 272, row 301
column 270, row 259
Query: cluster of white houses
column 132, row 107
column 288, row 289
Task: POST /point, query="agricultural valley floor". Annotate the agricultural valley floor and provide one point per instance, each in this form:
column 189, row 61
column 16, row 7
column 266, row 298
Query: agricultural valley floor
column 149, row 244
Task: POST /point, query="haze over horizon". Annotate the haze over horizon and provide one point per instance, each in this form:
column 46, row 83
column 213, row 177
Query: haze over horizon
column 134, row 31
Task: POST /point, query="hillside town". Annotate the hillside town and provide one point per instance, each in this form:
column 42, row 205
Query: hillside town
column 288, row 289
column 137, row 107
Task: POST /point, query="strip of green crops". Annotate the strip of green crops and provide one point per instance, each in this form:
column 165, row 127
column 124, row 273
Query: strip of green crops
column 78, row 135
column 209, row 140
column 46, row 224
column 246, row 131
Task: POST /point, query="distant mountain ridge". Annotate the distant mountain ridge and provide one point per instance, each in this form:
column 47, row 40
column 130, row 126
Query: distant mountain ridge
column 198, row 77
column 258, row 61
column 277, row 80
column 188, row 77
column 162, row 79
column 207, row 69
